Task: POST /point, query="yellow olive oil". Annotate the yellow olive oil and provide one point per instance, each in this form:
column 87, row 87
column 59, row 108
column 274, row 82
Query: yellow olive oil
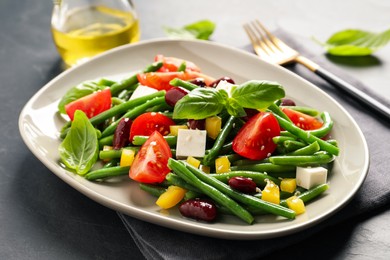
column 88, row 31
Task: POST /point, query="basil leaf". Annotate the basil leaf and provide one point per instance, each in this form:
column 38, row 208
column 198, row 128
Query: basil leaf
column 77, row 92
column 235, row 109
column 356, row 42
column 80, row 148
column 199, row 30
column 199, row 104
column 257, row 94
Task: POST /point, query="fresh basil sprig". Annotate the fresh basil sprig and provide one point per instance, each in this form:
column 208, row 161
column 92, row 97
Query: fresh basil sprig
column 205, row 102
column 80, row 148
column 356, row 42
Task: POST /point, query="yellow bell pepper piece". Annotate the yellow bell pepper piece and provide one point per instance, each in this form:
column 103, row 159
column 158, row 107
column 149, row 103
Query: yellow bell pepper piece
column 296, row 204
column 127, row 157
column 193, row 161
column 288, row 185
column 174, row 129
column 213, row 126
column 271, row 192
column 171, row 197
column 222, row 164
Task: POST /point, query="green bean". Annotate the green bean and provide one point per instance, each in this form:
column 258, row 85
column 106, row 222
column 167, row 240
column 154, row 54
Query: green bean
column 281, row 139
column 306, row 136
column 106, row 82
column 106, row 141
column 258, row 177
column 307, row 150
column 326, row 127
column 192, row 195
column 153, row 190
column 219, row 141
column 180, row 169
column 104, row 173
column 226, row 148
column 133, row 113
column 182, row 66
column 124, row 107
column 233, row 157
column 303, row 160
column 242, row 197
column 112, row 154
column 173, row 179
column 291, row 145
column 141, row 139
column 113, row 162
column 310, row 194
column 117, row 101
column 131, row 81
column 249, row 162
column 182, row 83
column 276, row 110
column 269, row 168
column 305, row 110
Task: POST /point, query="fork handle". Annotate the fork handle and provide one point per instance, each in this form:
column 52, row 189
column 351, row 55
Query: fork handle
column 354, row 92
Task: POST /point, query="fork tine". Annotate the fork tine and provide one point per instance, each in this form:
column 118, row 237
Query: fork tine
column 265, row 36
column 276, row 41
column 257, row 45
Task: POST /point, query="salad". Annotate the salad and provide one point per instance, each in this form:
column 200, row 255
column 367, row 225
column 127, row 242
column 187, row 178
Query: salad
column 203, row 145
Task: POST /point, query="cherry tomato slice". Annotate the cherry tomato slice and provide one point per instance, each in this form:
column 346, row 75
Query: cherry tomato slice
column 160, row 80
column 150, row 165
column 302, row 120
column 173, row 64
column 92, row 104
column 254, row 140
column 149, row 122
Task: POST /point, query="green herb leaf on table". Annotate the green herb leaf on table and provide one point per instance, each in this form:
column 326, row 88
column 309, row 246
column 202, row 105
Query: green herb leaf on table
column 356, row 42
column 199, row 30
column 77, row 92
column 80, row 148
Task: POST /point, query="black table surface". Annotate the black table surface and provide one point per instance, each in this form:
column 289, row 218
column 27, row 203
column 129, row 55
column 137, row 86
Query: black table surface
column 44, row 218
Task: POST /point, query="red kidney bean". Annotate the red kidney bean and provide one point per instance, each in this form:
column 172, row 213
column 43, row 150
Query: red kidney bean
column 199, row 82
column 174, row 94
column 122, row 133
column 249, row 113
column 199, row 209
column 245, row 185
column 197, row 124
column 287, row 102
column 215, row 82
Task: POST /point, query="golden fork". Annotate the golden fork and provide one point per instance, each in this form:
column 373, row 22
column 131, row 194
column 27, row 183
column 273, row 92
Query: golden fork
column 271, row 49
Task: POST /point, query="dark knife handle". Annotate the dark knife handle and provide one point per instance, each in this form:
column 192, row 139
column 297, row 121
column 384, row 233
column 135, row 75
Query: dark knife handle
column 354, row 92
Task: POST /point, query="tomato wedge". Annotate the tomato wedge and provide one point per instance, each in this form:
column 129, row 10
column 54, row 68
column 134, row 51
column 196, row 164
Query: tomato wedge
column 302, row 120
column 150, row 165
column 160, row 80
column 173, row 64
column 254, row 140
column 149, row 122
column 92, row 104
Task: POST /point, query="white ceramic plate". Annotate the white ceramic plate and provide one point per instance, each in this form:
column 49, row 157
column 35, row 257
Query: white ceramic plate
column 40, row 124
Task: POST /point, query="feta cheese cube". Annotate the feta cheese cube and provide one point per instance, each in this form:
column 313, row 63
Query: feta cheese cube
column 191, row 143
column 309, row 177
column 141, row 91
column 223, row 84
